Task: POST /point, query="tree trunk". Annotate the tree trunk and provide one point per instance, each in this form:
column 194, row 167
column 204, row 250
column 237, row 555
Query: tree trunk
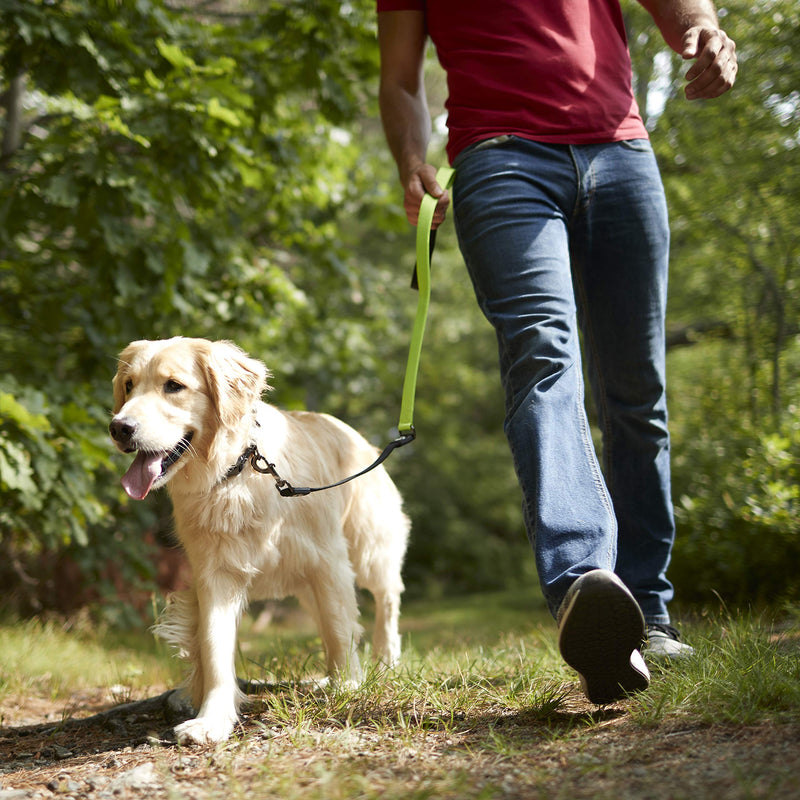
column 12, row 101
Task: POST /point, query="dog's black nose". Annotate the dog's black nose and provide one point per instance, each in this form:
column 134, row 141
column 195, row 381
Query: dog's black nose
column 122, row 430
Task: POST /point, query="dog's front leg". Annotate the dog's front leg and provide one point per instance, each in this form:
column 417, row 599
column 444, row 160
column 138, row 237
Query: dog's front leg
column 220, row 604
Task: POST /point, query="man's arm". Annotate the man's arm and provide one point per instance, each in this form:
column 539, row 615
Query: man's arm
column 691, row 28
column 404, row 107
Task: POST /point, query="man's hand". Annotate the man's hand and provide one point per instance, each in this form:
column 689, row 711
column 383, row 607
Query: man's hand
column 714, row 69
column 421, row 182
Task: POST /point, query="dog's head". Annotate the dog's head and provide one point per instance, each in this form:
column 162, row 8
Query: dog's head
column 173, row 399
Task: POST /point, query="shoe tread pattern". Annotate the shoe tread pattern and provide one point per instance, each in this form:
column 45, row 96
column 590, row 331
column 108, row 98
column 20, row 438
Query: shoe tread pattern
column 600, row 629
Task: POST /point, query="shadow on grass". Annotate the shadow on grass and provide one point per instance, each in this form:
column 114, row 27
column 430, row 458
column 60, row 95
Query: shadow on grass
column 122, row 726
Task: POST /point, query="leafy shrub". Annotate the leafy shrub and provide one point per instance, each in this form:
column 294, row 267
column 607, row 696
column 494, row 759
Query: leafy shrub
column 738, row 513
column 50, row 453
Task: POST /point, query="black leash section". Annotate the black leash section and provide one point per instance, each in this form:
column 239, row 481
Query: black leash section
column 260, row 464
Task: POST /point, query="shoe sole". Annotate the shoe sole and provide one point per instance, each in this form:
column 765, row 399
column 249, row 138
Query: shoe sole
column 599, row 636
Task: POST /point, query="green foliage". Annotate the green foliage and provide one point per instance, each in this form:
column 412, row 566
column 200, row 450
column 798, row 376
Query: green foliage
column 177, row 174
column 171, row 174
column 48, row 456
column 736, row 491
column 731, row 169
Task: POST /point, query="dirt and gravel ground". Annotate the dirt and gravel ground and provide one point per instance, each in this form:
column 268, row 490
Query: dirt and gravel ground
column 94, row 750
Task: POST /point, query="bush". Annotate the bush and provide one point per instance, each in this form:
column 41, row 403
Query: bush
column 737, row 494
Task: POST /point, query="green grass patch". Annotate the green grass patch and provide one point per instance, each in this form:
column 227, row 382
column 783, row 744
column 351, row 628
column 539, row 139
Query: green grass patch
column 746, row 670
column 56, row 659
column 470, row 656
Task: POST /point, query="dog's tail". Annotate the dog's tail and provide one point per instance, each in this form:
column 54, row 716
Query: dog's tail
column 177, row 624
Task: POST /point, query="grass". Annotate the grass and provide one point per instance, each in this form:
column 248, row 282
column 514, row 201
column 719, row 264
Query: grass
column 485, row 656
column 745, row 672
column 481, row 707
column 483, row 650
column 55, row 660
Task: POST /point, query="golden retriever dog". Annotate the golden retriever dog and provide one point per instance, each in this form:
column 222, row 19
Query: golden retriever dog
column 190, row 409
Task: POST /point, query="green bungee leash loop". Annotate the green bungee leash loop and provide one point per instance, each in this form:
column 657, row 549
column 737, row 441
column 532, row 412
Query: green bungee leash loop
column 444, row 177
column 425, row 240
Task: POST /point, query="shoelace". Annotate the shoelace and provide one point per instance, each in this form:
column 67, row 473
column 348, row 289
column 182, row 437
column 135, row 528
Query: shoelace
column 668, row 630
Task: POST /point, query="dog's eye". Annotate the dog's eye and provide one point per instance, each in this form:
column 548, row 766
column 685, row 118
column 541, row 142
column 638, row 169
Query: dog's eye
column 173, row 387
column 128, row 386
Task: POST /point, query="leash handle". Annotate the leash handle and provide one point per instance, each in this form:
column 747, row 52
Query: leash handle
column 444, row 177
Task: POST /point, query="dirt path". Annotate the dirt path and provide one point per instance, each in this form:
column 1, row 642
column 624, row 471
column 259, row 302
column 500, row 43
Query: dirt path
column 116, row 753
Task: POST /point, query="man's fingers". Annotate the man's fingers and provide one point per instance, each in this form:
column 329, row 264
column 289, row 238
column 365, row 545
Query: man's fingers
column 421, row 183
column 690, row 40
column 714, row 80
column 427, row 175
column 440, row 212
column 714, row 70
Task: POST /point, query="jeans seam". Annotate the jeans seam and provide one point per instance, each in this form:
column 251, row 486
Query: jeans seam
column 579, row 210
column 576, row 208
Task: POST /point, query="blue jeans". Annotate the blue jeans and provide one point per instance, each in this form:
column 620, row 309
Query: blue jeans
column 564, row 242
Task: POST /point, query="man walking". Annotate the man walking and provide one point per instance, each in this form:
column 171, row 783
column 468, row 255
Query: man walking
column 562, row 222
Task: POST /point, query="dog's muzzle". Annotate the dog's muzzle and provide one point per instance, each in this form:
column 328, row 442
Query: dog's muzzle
column 149, row 466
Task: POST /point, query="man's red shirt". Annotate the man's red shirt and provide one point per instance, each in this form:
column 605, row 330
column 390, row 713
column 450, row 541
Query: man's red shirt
column 555, row 71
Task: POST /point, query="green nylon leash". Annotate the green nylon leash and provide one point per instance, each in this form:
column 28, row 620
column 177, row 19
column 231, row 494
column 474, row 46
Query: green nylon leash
column 444, row 177
column 259, row 463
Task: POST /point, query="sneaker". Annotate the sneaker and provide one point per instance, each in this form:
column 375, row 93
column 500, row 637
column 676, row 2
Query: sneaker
column 663, row 643
column 600, row 627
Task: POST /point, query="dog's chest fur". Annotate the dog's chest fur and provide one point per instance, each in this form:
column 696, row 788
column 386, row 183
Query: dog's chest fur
column 251, row 531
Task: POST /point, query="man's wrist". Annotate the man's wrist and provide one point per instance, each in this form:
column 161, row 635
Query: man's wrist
column 411, row 170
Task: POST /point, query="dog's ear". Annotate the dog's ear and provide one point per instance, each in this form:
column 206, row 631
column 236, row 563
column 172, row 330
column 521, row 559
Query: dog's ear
column 124, row 365
column 235, row 381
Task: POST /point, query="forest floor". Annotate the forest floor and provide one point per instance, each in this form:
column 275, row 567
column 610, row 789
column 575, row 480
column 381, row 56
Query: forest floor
column 597, row 754
column 469, row 715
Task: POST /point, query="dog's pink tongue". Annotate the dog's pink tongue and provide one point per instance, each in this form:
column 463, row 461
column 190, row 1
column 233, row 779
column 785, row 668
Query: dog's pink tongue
column 139, row 478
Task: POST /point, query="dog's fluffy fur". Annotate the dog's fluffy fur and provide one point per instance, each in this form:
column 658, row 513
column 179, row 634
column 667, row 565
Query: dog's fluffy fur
column 189, row 408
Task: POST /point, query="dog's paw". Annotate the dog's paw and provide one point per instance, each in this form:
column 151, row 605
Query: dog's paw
column 346, row 684
column 204, row 730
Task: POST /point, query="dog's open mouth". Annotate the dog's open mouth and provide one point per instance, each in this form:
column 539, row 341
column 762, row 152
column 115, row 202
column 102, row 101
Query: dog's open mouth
column 148, row 467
